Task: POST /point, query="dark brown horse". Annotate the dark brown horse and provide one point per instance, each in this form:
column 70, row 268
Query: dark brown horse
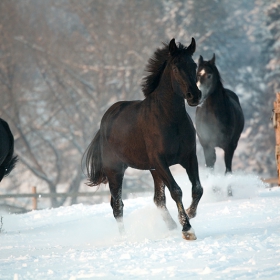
column 152, row 134
column 219, row 118
column 7, row 158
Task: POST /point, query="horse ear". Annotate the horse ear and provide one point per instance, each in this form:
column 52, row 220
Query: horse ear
column 200, row 60
column 212, row 61
column 172, row 47
column 191, row 48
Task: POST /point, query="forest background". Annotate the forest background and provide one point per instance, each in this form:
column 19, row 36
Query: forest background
column 63, row 63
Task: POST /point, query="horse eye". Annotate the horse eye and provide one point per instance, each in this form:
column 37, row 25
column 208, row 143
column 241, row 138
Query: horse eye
column 175, row 69
column 209, row 76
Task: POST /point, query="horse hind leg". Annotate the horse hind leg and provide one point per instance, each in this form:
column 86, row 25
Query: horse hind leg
column 229, row 152
column 115, row 179
column 160, row 201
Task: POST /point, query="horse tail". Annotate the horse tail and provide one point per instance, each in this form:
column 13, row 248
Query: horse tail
column 10, row 161
column 94, row 166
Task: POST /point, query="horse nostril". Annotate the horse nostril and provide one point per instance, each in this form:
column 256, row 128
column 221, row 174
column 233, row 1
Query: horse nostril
column 189, row 95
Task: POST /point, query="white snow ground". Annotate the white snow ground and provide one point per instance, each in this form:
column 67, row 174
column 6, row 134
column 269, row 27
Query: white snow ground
column 238, row 238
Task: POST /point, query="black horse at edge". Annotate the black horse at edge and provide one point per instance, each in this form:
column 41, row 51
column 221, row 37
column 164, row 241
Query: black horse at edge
column 7, row 158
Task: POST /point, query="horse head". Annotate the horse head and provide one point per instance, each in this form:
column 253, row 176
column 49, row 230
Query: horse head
column 183, row 70
column 207, row 76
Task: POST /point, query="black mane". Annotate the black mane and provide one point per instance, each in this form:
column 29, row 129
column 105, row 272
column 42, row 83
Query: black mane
column 155, row 67
column 219, row 78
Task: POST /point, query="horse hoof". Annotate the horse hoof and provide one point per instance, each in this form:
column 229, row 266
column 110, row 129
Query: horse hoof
column 229, row 191
column 191, row 213
column 189, row 235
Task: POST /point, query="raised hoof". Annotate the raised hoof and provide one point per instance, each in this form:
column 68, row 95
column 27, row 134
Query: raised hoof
column 189, row 235
column 191, row 213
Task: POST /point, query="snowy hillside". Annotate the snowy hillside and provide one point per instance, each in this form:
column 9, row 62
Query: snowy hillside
column 238, row 238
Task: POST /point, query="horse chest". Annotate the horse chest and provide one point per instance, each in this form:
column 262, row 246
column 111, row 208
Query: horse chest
column 212, row 127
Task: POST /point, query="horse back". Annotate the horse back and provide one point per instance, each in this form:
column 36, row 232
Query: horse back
column 232, row 96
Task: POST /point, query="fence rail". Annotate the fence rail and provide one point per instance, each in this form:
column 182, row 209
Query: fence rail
column 48, row 195
column 34, row 195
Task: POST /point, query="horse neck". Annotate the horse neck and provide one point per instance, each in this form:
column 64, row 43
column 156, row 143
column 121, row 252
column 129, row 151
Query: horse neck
column 217, row 97
column 173, row 104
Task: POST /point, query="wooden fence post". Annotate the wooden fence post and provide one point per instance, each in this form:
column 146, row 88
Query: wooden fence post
column 34, row 199
column 276, row 124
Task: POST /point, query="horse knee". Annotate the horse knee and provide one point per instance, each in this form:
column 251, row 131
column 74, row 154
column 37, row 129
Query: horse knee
column 197, row 191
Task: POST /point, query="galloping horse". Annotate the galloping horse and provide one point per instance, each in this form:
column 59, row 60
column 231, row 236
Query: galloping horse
column 219, row 118
column 152, row 134
column 7, row 159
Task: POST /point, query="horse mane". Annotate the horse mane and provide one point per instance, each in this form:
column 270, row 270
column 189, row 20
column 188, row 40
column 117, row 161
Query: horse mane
column 156, row 65
column 219, row 78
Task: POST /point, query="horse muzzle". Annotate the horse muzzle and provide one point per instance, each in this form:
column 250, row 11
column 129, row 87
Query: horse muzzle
column 193, row 100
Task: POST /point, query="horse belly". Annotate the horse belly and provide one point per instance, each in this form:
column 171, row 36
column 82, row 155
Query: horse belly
column 131, row 150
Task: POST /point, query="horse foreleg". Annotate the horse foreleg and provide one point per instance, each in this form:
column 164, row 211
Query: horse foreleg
column 176, row 194
column 160, row 200
column 210, row 156
column 191, row 166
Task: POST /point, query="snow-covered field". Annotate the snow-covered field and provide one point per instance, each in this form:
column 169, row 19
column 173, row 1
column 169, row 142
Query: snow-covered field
column 238, row 238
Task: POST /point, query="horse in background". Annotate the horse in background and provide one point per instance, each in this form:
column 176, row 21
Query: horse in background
column 152, row 134
column 219, row 118
column 7, row 158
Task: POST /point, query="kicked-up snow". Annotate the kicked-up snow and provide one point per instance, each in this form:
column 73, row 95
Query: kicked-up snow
column 238, row 237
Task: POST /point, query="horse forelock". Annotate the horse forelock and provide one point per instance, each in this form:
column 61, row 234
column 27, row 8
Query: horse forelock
column 155, row 67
